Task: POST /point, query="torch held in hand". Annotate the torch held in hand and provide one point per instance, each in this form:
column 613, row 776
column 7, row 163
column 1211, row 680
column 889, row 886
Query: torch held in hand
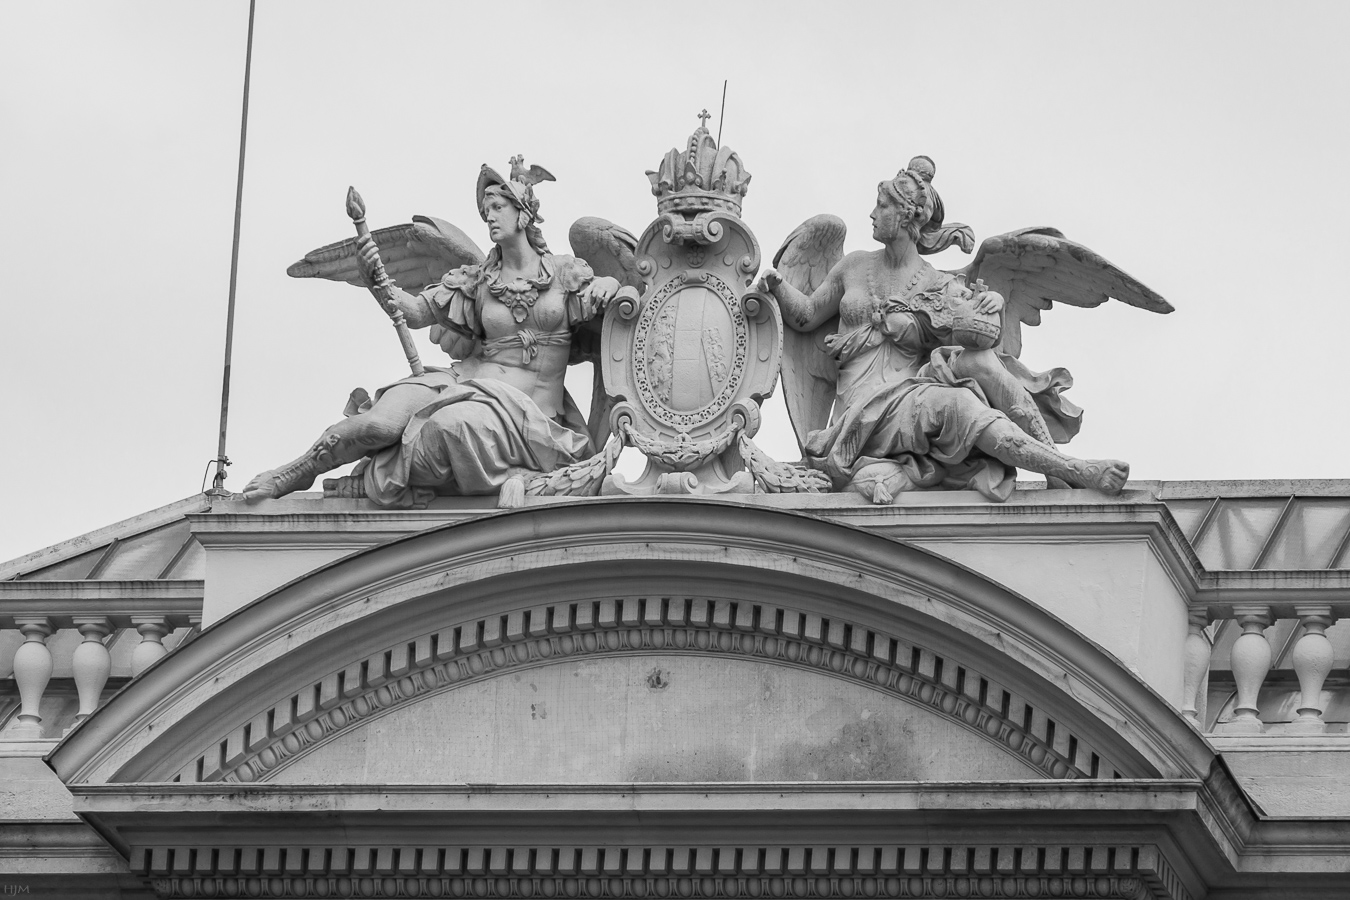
column 381, row 286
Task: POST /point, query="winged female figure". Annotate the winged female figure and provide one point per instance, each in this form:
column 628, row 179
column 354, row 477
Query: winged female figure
column 511, row 319
column 919, row 366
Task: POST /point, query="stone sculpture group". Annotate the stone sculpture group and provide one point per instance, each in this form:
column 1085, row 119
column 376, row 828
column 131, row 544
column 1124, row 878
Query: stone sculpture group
column 898, row 376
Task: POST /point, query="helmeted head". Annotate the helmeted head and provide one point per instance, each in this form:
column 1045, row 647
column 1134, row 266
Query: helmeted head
column 920, row 208
column 520, row 194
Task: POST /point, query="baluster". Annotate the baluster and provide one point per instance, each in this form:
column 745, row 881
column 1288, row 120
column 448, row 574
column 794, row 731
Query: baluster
column 32, row 671
column 1195, row 653
column 1313, row 657
column 91, row 663
column 152, row 630
column 1251, row 663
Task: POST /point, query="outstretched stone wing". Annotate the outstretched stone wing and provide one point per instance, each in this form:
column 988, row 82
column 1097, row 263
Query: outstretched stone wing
column 415, row 255
column 1034, row 268
column 609, row 250
column 810, row 373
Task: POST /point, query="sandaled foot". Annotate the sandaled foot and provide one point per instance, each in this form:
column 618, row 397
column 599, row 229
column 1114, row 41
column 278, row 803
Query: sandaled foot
column 276, row 483
column 1105, row 475
column 346, row 487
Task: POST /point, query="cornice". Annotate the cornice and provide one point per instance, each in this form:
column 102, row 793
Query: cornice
column 1028, row 516
column 694, row 840
column 60, row 601
column 833, row 830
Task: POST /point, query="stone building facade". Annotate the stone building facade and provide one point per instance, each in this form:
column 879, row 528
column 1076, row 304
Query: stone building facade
column 772, row 696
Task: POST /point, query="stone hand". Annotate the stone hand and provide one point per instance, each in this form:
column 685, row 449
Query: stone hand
column 367, row 258
column 603, row 290
column 989, row 302
column 769, row 280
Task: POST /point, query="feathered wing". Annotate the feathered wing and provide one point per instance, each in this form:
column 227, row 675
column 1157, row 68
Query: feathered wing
column 1034, row 268
column 415, row 256
column 810, row 373
column 610, row 250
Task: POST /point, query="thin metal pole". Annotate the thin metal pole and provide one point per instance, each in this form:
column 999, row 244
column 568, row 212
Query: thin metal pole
column 721, row 115
column 218, row 484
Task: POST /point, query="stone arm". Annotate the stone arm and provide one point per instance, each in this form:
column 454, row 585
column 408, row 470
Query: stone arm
column 416, row 309
column 806, row 312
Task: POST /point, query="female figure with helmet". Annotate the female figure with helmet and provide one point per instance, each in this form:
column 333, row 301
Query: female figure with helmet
column 500, row 409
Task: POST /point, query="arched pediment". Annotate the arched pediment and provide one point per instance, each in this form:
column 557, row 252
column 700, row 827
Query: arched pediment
column 421, row 643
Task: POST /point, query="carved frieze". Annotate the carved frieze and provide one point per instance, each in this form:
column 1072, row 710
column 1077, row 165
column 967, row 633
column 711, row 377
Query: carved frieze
column 480, row 649
column 1128, row 872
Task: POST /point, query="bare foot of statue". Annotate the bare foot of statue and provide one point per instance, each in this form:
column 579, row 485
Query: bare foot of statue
column 1105, row 475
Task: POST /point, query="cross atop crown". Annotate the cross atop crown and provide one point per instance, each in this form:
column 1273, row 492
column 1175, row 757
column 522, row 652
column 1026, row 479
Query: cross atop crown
column 701, row 177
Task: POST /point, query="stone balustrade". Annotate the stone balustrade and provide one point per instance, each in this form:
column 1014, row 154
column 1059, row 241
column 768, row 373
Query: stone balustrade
column 76, row 638
column 1304, row 646
column 86, row 644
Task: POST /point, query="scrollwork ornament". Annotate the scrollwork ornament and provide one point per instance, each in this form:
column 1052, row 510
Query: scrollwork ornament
column 621, row 418
column 707, row 228
column 745, row 417
column 627, row 304
column 756, row 305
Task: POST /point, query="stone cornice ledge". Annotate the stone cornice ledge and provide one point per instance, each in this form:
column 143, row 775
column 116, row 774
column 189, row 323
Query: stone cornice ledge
column 810, row 796
column 1173, row 813
column 313, row 522
column 177, row 600
column 1280, row 743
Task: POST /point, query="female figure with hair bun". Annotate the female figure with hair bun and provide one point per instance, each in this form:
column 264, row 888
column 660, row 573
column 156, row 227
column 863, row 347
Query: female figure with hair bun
column 930, row 393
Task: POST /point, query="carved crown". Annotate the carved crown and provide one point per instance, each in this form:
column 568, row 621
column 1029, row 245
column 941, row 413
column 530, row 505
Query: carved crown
column 700, row 178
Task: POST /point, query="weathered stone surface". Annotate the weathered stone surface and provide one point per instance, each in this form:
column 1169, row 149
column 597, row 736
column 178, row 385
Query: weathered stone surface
column 29, row 790
column 1291, row 776
column 657, row 718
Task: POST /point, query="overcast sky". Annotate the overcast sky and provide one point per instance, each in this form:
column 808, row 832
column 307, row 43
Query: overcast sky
column 1198, row 146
